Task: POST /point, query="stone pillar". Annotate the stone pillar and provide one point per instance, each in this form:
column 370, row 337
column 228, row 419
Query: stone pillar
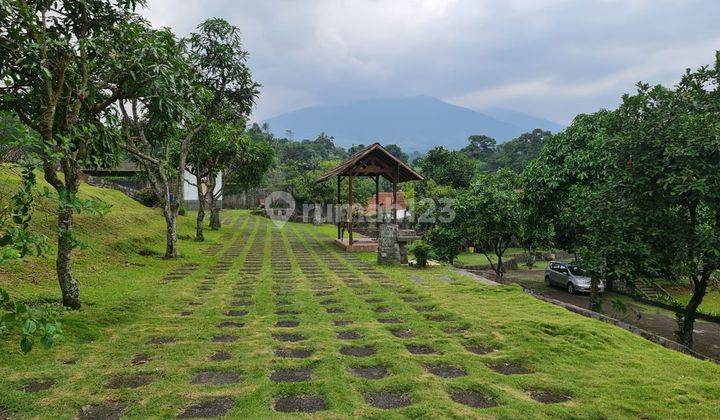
column 388, row 246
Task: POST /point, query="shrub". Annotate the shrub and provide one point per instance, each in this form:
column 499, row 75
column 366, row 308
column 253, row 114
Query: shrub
column 147, row 197
column 421, row 251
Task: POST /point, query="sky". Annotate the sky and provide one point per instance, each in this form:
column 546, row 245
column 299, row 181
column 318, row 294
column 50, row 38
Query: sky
column 548, row 58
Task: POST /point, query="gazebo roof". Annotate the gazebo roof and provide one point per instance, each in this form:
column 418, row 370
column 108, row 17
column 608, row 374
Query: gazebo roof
column 371, row 161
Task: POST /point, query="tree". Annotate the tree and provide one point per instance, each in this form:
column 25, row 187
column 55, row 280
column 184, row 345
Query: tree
column 517, row 153
column 445, row 239
column 480, row 147
column 182, row 103
column 490, row 214
column 448, row 167
column 59, row 70
column 668, row 148
column 566, row 192
column 249, row 167
column 210, row 154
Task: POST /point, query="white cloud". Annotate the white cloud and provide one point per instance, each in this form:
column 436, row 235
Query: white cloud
column 554, row 58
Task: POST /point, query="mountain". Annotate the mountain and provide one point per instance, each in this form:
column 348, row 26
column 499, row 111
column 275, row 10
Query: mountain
column 520, row 119
column 415, row 123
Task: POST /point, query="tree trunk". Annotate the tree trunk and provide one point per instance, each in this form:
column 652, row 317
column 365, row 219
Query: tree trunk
column 170, row 210
column 686, row 316
column 500, row 268
column 63, row 264
column 214, row 209
column 200, row 221
column 595, row 303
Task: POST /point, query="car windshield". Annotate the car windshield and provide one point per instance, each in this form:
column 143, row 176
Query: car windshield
column 577, row 271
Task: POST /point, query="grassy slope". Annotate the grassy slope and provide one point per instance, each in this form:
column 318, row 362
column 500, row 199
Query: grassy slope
column 608, row 371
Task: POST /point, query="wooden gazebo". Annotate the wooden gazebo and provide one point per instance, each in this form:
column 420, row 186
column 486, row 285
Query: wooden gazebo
column 373, row 162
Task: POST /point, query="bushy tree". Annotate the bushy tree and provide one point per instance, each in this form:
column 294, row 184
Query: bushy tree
column 480, row 147
column 208, row 80
column 447, row 167
column 490, row 214
column 63, row 66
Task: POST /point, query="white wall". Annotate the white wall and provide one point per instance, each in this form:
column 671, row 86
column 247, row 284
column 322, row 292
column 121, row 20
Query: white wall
column 190, row 191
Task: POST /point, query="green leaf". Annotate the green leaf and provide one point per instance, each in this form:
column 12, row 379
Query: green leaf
column 26, row 344
column 30, row 327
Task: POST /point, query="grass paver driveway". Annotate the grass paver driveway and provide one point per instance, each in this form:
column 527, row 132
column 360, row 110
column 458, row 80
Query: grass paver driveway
column 265, row 321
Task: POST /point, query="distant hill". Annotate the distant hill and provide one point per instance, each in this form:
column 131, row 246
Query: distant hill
column 415, row 123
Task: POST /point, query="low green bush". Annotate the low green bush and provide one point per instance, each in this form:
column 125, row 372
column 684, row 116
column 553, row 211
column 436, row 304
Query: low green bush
column 421, row 251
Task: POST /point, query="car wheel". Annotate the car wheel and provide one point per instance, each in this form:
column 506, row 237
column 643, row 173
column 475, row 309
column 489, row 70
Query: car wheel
column 547, row 281
column 571, row 289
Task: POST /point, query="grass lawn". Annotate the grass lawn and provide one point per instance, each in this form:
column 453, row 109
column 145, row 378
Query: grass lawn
column 709, row 305
column 218, row 333
column 472, row 258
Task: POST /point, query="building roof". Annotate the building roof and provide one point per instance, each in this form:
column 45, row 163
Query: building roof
column 386, row 199
column 371, row 161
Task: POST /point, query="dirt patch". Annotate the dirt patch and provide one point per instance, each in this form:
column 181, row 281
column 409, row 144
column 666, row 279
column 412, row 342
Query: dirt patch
column 140, row 358
column 411, row 298
column 194, row 303
column 287, row 312
column 375, row 300
column 381, row 309
column 225, row 338
column 548, row 397
column 109, row 410
column 473, row 399
column 478, row 349
column 287, row 323
column 215, row 407
column 358, row 351
column 128, row 381
column 342, row 322
column 230, row 324
column 509, row 368
column 291, row 375
column 335, row 310
column 390, row 320
column 349, row 335
column 425, row 308
column 453, row 329
column 402, row 332
column 329, row 302
column 162, row 340
column 369, row 372
column 219, row 356
column 446, row 371
column 324, row 293
column 420, row 349
column 289, row 337
column 242, row 303
column 293, row 353
column 185, row 313
column 300, row 404
column 387, row 400
column 215, row 378
column 236, row 313
column 438, row 317
column 37, row 385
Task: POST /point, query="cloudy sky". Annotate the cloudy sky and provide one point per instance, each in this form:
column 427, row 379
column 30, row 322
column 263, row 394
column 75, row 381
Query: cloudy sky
column 549, row 58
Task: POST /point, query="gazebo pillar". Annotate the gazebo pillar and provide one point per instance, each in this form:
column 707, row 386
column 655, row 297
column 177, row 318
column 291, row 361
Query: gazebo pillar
column 377, row 203
column 394, row 203
column 338, row 207
column 350, row 210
